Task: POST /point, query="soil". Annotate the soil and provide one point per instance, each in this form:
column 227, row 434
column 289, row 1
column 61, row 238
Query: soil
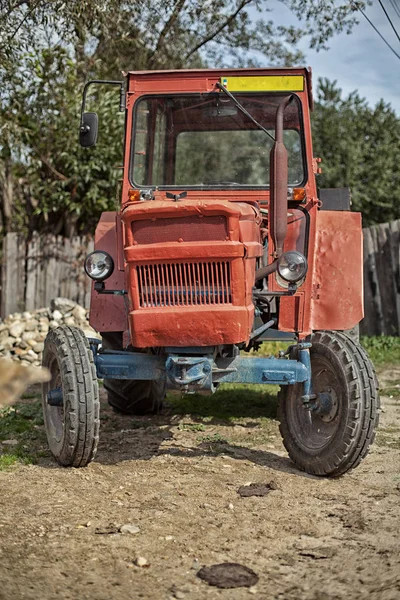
column 308, row 538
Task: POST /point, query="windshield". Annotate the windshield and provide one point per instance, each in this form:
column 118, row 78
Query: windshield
column 204, row 140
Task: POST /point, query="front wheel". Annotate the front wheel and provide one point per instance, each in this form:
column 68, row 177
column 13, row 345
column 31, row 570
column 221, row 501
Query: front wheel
column 335, row 435
column 71, row 398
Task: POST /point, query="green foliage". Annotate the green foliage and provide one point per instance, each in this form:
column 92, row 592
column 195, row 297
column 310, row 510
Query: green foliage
column 49, row 49
column 13, row 458
column 382, row 350
column 19, row 423
column 360, row 148
column 20, row 419
column 230, row 403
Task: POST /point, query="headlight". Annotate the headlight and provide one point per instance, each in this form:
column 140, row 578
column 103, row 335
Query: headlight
column 99, row 265
column 292, row 266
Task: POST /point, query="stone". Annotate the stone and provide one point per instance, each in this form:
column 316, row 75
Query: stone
column 54, row 324
column 16, row 329
column 10, row 442
column 79, row 313
column 28, row 335
column 26, row 315
column 31, row 325
column 70, row 321
column 228, row 575
column 38, row 347
column 8, row 343
column 20, row 351
column 28, row 357
column 140, row 561
column 130, row 529
column 4, row 334
column 62, row 304
column 23, row 345
column 56, row 315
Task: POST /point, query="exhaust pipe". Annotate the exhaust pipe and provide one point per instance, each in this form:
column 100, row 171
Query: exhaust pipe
column 278, row 191
column 278, row 183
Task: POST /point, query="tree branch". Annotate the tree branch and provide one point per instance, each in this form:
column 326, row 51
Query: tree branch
column 170, row 23
column 50, row 166
column 220, row 28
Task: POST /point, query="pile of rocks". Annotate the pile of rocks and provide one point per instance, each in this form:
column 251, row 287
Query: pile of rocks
column 22, row 335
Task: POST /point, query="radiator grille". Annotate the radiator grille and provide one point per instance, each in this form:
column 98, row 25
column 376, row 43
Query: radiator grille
column 186, row 229
column 184, row 284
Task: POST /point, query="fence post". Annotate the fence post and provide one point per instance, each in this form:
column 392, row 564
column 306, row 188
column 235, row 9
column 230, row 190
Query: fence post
column 13, row 274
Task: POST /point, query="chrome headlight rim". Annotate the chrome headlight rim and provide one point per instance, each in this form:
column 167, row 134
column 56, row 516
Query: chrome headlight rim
column 108, row 260
column 297, row 259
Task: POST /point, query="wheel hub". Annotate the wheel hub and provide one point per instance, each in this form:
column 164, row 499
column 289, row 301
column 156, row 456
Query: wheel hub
column 326, row 405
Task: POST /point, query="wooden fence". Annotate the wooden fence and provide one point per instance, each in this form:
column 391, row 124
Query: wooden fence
column 382, row 279
column 49, row 266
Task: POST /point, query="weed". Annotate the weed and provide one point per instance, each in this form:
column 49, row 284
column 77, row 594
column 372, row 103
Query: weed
column 382, row 350
column 21, row 422
column 15, row 456
column 20, row 419
column 191, row 426
column 215, row 438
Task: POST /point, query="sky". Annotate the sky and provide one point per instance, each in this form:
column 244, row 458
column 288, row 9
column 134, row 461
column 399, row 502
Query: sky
column 359, row 61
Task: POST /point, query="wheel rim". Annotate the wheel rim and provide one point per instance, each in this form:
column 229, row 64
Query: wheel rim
column 54, row 414
column 314, row 429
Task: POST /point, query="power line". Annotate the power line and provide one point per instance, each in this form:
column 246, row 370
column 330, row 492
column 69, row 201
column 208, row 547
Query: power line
column 389, row 19
column 395, row 7
column 379, row 33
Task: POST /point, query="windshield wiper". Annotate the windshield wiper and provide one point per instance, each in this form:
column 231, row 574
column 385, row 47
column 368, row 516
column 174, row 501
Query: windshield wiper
column 223, row 183
column 243, row 110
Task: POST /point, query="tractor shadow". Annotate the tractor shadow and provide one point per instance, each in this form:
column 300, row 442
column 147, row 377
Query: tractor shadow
column 227, row 423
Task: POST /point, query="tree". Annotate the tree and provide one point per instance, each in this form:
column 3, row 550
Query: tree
column 49, row 48
column 360, row 148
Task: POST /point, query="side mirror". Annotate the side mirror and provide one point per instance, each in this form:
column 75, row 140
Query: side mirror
column 88, row 129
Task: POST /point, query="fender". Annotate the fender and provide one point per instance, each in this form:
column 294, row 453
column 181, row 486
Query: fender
column 108, row 312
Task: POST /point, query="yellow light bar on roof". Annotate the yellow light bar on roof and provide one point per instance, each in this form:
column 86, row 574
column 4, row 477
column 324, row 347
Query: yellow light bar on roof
column 267, row 83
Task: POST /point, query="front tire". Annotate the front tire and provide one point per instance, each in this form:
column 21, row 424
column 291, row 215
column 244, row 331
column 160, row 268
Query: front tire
column 336, row 439
column 72, row 428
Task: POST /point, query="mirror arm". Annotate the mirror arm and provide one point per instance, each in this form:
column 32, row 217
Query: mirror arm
column 122, row 104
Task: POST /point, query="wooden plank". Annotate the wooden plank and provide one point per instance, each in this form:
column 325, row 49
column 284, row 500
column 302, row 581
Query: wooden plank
column 385, row 278
column 31, row 272
column 51, row 283
column 368, row 325
column 64, row 261
column 12, row 298
column 394, row 243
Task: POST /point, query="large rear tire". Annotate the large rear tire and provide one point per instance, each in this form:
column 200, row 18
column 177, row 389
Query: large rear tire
column 129, row 396
column 336, row 439
column 72, row 428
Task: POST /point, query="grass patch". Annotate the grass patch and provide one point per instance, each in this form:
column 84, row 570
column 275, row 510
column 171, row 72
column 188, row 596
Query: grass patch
column 191, row 426
column 383, row 350
column 21, row 423
column 215, row 438
column 20, row 419
column 14, row 457
column 231, row 403
column 392, row 392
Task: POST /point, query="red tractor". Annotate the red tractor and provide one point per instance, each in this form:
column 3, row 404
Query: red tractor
column 222, row 241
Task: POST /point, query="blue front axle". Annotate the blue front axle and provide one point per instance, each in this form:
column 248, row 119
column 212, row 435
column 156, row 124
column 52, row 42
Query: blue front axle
column 201, row 372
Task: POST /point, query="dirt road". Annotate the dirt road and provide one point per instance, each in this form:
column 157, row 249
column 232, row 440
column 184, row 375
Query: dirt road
column 176, row 479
